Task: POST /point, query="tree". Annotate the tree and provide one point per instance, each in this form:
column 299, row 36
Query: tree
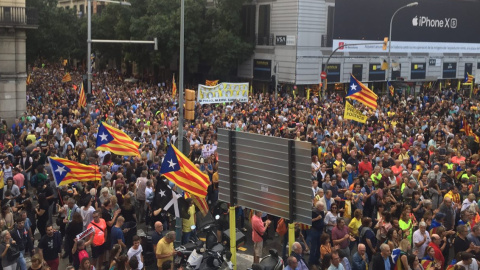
column 58, row 33
column 225, row 48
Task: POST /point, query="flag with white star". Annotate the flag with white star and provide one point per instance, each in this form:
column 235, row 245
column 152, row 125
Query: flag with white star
column 359, row 92
column 66, row 171
column 116, row 141
column 177, row 168
column 169, row 201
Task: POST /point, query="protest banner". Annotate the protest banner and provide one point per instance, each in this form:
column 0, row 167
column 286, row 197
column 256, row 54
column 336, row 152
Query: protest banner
column 354, row 114
column 222, row 92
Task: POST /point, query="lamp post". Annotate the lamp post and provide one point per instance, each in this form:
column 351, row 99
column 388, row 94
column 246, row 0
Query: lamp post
column 89, row 38
column 178, row 221
column 390, row 36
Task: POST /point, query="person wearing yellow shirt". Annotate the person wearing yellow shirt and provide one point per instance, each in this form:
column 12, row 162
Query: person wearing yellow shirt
column 453, row 194
column 188, row 223
column 355, row 223
column 32, row 137
column 376, row 176
column 339, row 163
column 165, row 250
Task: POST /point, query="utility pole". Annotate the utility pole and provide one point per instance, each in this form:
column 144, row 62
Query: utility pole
column 178, row 220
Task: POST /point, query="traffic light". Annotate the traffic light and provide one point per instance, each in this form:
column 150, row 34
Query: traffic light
column 385, row 43
column 189, row 104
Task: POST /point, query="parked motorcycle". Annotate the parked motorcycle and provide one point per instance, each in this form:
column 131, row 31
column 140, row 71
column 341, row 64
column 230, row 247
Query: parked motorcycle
column 269, row 262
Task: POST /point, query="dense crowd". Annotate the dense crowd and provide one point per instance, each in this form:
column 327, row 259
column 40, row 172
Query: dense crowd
column 405, row 182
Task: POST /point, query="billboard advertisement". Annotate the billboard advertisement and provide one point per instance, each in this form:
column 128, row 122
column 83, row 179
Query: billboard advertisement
column 443, row 26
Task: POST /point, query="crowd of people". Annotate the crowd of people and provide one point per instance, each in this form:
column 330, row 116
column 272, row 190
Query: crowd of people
column 405, row 182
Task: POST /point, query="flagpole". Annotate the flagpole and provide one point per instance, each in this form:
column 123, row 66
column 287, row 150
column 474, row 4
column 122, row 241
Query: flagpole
column 178, row 220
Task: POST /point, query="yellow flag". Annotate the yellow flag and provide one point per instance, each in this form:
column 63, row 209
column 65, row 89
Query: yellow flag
column 354, row 114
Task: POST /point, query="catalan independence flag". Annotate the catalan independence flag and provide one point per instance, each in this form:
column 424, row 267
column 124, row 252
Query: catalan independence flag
column 361, row 93
column 174, row 87
column 116, row 141
column 468, row 78
column 390, row 87
column 468, row 130
column 108, row 99
column 177, row 168
column 66, row 78
column 66, row 171
column 82, row 98
column 201, row 203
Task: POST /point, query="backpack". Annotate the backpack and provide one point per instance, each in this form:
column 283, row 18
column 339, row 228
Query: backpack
column 282, row 227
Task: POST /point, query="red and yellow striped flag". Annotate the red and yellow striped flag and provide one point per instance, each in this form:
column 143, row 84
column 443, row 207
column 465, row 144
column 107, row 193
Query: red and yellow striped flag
column 66, row 171
column 211, row 83
column 66, row 78
column 29, row 79
column 201, row 203
column 116, row 141
column 82, row 98
column 174, row 86
column 177, row 168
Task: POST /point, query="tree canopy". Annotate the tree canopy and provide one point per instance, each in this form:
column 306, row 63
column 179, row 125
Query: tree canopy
column 213, row 42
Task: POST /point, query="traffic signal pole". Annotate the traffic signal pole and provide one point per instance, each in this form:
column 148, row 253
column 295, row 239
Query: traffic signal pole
column 334, row 51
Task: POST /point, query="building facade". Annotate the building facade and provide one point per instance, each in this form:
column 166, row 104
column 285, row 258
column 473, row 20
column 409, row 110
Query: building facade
column 15, row 19
column 295, row 38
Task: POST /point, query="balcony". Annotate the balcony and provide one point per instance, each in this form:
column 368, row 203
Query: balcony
column 19, row 17
column 265, row 40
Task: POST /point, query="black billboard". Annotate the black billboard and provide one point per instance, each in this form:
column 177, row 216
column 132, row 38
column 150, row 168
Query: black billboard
column 449, row 70
column 333, row 72
column 375, row 72
column 431, row 21
column 418, row 71
column 357, row 71
column 262, row 70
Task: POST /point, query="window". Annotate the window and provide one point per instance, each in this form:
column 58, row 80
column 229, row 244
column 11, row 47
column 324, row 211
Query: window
column 264, row 26
column 248, row 20
column 330, row 16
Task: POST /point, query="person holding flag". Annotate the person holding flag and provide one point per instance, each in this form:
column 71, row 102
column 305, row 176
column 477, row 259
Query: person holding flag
column 391, row 88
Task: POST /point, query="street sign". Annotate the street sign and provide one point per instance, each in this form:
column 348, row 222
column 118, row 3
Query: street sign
column 264, row 173
column 323, row 75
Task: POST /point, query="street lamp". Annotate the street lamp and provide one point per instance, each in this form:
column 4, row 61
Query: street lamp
column 89, row 38
column 390, row 36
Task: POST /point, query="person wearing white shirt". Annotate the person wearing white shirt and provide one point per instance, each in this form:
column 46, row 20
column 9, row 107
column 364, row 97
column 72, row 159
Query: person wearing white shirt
column 421, row 239
column 468, row 261
column 136, row 250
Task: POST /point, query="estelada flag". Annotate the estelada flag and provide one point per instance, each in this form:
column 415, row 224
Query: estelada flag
column 468, row 78
column 66, row 171
column 390, row 87
column 108, row 99
column 177, row 168
column 116, row 141
column 361, row 93
column 66, row 78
